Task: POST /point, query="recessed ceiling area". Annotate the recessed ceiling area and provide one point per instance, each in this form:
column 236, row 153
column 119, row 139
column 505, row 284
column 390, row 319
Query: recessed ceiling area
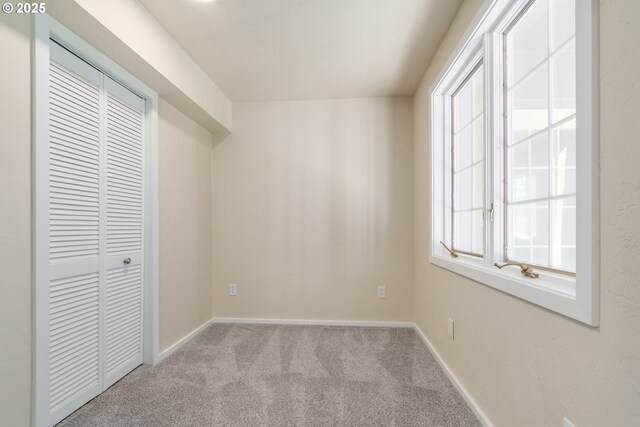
column 263, row 50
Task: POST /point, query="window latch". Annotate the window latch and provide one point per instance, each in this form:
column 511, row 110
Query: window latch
column 452, row 252
column 524, row 269
column 491, row 213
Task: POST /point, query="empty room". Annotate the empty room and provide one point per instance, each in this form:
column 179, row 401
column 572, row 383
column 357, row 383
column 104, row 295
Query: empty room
column 320, row 213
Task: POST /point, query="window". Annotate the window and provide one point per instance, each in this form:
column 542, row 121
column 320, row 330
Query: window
column 514, row 155
column 540, row 183
column 467, row 169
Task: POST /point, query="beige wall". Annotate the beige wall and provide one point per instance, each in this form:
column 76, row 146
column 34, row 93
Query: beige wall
column 184, row 182
column 185, row 234
column 313, row 209
column 526, row 366
column 15, row 225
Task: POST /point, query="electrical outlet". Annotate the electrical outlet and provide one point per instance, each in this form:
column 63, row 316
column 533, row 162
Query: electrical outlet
column 450, row 328
column 568, row 423
column 233, row 289
column 382, row 291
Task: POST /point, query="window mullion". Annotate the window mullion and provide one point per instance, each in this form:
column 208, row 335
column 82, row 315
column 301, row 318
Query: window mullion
column 447, row 175
column 493, row 152
column 550, row 153
column 488, row 149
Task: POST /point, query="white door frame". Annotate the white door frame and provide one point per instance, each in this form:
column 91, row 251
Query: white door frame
column 46, row 28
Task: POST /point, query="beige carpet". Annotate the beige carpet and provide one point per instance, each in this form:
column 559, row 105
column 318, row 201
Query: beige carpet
column 271, row 375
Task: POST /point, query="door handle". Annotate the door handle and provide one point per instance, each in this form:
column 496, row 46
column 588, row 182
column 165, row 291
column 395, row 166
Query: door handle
column 127, row 261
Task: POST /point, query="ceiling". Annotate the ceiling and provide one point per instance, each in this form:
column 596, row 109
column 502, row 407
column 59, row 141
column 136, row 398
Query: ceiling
column 267, row 50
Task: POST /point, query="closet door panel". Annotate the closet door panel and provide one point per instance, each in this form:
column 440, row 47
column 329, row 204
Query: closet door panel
column 124, row 154
column 74, row 158
column 74, row 311
column 124, row 130
column 74, row 343
column 123, row 321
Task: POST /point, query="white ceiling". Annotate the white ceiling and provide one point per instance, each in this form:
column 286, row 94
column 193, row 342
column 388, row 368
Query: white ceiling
column 259, row 50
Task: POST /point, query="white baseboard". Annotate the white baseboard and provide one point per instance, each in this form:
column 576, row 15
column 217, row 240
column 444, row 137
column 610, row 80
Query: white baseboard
column 182, row 341
column 362, row 323
column 454, row 380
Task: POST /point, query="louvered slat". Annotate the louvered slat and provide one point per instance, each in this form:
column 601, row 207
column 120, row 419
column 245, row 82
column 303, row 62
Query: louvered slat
column 124, row 177
column 123, row 317
column 74, row 324
column 74, row 130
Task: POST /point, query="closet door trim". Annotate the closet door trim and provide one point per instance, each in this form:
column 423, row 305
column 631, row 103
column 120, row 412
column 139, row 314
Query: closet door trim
column 45, row 29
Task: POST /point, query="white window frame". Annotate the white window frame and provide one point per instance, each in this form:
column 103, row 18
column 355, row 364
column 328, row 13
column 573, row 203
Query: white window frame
column 576, row 296
column 476, row 60
column 44, row 29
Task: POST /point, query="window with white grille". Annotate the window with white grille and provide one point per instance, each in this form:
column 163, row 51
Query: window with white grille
column 514, row 155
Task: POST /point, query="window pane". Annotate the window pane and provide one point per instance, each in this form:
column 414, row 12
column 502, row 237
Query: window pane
column 462, row 148
column 529, row 169
column 468, row 164
column 528, row 41
column 564, row 158
column 478, row 186
column 462, row 231
column 541, row 135
column 462, row 108
column 563, row 76
column 563, row 234
column 478, row 93
column 563, row 21
column 528, row 231
column 463, row 190
column 478, row 138
column 477, row 231
column 530, row 104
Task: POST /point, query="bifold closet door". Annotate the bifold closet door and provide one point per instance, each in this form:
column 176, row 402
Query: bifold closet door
column 95, row 232
column 124, row 136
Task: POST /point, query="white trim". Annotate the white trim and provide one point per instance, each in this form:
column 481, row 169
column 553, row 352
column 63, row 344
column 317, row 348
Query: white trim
column 587, row 153
column 44, row 28
column 473, row 405
column 573, row 296
column 182, row 341
column 40, row 257
column 151, row 332
column 361, row 323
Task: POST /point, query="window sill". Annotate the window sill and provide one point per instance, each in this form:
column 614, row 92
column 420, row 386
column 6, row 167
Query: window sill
column 552, row 291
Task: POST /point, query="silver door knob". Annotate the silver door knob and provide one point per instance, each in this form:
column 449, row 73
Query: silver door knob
column 127, row 261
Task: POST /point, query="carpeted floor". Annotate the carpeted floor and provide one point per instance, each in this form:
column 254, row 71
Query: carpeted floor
column 271, row 375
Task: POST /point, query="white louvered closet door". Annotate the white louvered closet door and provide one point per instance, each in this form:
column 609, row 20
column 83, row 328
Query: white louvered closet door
column 123, row 151
column 74, row 233
column 96, row 189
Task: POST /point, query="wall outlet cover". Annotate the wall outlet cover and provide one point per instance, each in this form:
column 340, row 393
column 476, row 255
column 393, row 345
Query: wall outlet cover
column 382, row 291
column 233, row 289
